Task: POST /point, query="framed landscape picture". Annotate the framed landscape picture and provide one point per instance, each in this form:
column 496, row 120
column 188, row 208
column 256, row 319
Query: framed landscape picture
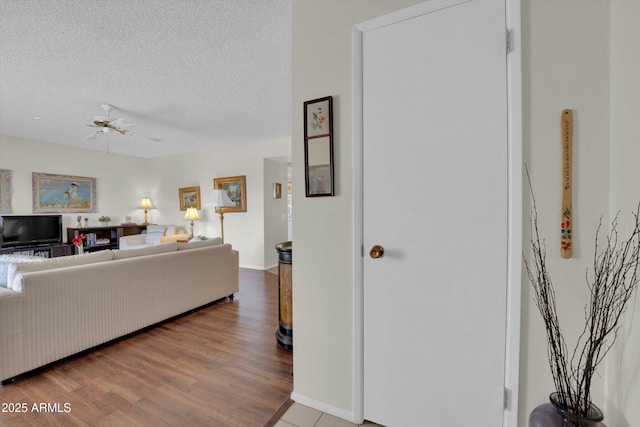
column 63, row 193
column 236, row 189
column 189, row 197
column 5, row 191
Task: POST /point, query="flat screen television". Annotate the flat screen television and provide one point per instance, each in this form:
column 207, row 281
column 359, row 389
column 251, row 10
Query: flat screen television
column 29, row 230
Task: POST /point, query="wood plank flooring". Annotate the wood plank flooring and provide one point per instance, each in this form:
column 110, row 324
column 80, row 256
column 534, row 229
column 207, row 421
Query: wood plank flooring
column 218, row 366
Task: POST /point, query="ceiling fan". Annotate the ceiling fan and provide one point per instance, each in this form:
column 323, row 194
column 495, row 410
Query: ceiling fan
column 107, row 124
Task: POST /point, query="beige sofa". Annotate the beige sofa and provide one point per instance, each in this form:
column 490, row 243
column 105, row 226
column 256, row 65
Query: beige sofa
column 65, row 305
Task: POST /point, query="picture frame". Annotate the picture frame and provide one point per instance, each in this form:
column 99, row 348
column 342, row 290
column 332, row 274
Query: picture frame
column 63, row 193
column 236, row 188
column 5, row 191
column 189, row 197
column 277, row 190
column 318, row 147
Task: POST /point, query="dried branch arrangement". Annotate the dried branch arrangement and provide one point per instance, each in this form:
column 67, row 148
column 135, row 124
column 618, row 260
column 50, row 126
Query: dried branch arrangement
column 612, row 285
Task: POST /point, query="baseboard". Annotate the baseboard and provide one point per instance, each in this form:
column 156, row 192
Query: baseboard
column 252, row 267
column 279, row 413
column 323, row 407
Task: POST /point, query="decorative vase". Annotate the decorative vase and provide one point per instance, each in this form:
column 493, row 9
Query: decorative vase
column 556, row 414
column 80, row 249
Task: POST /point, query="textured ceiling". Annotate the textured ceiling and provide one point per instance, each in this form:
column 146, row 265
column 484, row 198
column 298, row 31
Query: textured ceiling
column 196, row 73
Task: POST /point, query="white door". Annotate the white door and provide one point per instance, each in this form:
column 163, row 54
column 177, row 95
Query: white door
column 435, row 168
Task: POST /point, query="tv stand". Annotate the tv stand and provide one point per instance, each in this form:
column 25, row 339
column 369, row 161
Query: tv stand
column 45, row 251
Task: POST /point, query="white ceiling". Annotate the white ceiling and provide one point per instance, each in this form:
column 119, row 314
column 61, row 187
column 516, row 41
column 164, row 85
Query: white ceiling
column 196, row 73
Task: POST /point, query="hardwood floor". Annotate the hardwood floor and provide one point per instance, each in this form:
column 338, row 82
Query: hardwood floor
column 219, row 366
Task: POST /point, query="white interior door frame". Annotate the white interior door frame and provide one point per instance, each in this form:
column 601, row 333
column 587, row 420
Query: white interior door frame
column 514, row 262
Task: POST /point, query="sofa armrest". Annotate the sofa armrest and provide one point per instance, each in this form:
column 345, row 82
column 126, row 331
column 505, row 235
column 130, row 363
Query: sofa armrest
column 132, row 241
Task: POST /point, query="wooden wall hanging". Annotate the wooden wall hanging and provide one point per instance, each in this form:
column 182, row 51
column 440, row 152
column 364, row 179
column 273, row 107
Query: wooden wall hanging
column 566, row 236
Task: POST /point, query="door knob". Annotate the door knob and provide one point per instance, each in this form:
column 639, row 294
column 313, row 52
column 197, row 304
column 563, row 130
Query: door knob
column 376, row 252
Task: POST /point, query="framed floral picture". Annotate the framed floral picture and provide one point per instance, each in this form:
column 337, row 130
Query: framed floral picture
column 236, row 189
column 5, row 191
column 189, row 197
column 318, row 147
column 63, row 193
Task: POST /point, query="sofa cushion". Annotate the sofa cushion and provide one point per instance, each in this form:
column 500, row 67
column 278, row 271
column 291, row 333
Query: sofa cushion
column 175, row 237
column 147, row 250
column 197, row 243
column 50, row 263
column 7, row 259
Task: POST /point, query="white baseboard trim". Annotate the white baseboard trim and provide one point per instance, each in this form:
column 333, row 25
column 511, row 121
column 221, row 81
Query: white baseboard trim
column 252, row 267
column 271, row 266
column 323, row 407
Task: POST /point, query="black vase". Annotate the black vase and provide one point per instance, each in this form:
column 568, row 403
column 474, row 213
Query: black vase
column 557, row 414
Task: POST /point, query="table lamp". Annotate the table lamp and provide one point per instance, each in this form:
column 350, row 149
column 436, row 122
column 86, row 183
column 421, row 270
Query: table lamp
column 191, row 215
column 145, row 203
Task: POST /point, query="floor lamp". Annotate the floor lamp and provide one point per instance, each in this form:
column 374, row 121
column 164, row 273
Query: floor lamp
column 221, row 200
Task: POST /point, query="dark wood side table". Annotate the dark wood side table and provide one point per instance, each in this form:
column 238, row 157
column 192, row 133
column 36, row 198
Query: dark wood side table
column 284, row 332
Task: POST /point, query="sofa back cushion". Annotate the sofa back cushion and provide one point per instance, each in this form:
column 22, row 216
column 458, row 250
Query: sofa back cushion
column 147, row 250
column 50, row 263
column 195, row 243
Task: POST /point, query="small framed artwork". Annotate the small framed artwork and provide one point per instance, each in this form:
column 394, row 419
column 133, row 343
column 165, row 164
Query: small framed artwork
column 318, row 147
column 63, row 193
column 189, row 197
column 5, row 191
column 277, row 190
column 236, row 188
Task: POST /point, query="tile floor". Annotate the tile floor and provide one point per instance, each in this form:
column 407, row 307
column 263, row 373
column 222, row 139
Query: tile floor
column 302, row 416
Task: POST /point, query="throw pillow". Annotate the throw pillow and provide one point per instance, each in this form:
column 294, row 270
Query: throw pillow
column 155, row 233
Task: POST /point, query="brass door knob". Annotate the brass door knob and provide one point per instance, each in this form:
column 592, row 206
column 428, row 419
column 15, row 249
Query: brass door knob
column 376, row 252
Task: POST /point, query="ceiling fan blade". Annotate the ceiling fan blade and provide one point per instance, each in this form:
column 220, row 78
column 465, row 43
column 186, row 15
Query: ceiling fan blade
column 120, row 131
column 143, row 136
column 93, row 135
column 122, row 123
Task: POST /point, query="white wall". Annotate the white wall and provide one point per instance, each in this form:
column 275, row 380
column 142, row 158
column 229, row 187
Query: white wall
column 322, row 226
column 123, row 180
column 566, row 65
column 244, row 230
column 623, row 365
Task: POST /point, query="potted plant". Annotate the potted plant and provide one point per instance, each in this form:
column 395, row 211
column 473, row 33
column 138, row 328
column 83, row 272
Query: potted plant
column 104, row 220
column 612, row 283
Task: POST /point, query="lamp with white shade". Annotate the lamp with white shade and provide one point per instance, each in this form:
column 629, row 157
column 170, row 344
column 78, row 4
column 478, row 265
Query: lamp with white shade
column 145, row 203
column 191, row 215
column 221, row 200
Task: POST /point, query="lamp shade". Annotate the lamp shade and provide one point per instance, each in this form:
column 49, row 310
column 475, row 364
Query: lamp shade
column 221, row 200
column 191, row 214
column 145, row 203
